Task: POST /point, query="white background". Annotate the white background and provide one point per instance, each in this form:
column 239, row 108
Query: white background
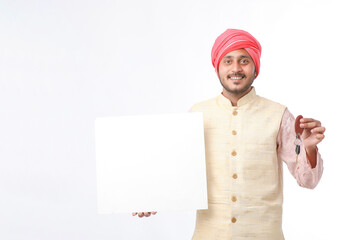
column 63, row 63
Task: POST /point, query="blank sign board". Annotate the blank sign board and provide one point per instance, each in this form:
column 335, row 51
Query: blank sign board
column 150, row 163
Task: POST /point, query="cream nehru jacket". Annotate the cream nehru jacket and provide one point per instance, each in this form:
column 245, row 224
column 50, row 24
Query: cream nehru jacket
column 244, row 175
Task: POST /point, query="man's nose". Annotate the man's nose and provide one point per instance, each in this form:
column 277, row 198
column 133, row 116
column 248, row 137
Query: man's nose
column 237, row 67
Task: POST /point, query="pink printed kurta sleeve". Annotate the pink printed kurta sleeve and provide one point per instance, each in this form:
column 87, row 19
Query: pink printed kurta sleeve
column 305, row 175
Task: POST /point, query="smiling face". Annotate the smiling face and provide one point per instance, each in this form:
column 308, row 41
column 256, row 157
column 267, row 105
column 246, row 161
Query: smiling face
column 237, row 73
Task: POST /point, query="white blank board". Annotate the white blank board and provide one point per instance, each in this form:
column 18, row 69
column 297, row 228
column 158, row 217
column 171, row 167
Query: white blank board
column 150, row 163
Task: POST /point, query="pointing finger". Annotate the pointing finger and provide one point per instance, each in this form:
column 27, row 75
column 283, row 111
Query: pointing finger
column 310, row 124
column 305, row 120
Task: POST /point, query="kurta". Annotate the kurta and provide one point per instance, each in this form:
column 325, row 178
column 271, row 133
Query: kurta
column 244, row 172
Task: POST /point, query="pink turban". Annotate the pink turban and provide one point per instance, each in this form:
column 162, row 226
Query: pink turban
column 234, row 39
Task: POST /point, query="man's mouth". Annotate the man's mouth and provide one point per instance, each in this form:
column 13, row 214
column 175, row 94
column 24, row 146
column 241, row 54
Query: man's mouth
column 236, row 78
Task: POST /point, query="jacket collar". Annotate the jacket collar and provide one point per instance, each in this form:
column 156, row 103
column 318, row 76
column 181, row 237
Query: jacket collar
column 226, row 103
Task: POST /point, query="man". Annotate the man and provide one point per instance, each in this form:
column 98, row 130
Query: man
column 246, row 139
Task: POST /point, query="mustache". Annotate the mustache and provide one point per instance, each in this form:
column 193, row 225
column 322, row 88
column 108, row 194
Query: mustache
column 238, row 74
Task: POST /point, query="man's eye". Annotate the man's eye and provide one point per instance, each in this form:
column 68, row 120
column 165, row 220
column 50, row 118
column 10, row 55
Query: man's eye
column 244, row 61
column 227, row 61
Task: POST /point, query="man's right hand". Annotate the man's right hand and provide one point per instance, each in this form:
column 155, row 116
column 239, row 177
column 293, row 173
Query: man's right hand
column 142, row 214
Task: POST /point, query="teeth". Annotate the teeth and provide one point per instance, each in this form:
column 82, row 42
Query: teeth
column 236, row 78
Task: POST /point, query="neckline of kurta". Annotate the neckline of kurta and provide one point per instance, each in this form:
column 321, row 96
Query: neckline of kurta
column 226, row 103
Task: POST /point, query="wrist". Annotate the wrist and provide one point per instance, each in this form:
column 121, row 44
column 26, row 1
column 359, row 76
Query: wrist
column 311, row 152
column 311, row 148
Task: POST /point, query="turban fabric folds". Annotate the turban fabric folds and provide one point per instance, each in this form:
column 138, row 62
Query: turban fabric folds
column 234, row 39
